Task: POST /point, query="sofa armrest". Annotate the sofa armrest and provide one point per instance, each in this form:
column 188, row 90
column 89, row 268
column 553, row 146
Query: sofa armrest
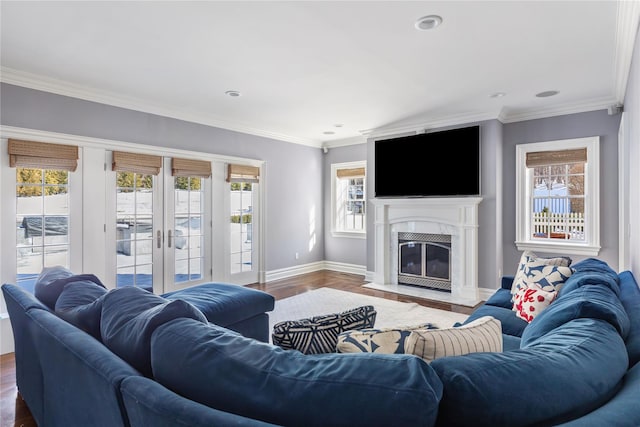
column 507, row 281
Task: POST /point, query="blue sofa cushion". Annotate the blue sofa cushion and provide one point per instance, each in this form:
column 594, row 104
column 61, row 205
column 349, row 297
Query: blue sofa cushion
column 129, row 317
column 570, row 372
column 596, row 302
column 592, row 271
column 511, row 324
column 50, row 284
column 80, row 304
column 223, row 303
column 501, row 298
column 319, row 334
column 224, row 370
column 630, row 297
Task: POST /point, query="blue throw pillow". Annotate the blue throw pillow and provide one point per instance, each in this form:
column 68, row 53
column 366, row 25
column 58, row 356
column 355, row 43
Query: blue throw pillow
column 51, row 282
column 130, row 315
column 80, row 304
column 224, row 370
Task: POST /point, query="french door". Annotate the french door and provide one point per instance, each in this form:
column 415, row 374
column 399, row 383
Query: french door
column 162, row 228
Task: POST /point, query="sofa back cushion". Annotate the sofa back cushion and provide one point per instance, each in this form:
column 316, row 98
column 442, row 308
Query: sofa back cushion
column 594, row 302
column 630, row 297
column 52, row 280
column 592, row 271
column 567, row 373
column 80, row 304
column 129, row 317
column 224, row 370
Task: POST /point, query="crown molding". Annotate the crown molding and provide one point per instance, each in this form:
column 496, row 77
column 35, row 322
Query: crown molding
column 626, row 30
column 60, row 87
column 417, row 127
column 562, row 110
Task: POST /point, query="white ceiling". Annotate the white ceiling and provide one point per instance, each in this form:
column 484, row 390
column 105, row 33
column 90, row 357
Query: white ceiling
column 305, row 66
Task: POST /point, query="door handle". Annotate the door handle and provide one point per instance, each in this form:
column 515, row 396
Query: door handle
column 159, row 234
column 169, row 239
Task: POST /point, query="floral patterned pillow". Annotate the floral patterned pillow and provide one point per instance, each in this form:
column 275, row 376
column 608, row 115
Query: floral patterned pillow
column 529, row 256
column 530, row 301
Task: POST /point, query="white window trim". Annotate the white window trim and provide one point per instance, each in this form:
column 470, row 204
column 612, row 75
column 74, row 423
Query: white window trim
column 335, row 232
column 591, row 245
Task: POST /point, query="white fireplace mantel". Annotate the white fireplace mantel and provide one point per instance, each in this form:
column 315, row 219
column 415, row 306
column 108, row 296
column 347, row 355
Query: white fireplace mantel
column 457, row 217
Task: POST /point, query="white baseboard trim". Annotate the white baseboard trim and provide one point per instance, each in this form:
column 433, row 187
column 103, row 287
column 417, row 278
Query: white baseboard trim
column 285, row 273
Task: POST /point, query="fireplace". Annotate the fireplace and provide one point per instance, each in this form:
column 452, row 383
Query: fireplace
column 425, row 260
column 444, row 268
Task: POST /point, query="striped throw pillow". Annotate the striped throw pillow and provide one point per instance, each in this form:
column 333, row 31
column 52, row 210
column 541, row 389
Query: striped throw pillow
column 319, row 334
column 481, row 335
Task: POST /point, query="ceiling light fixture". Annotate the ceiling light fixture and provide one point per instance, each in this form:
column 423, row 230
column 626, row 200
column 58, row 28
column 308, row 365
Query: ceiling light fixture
column 497, row 95
column 547, row 93
column 233, row 93
column 329, row 132
column 428, row 22
column 338, row 125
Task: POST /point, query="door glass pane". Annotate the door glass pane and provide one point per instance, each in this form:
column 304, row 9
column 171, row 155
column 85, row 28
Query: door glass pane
column 241, row 226
column 187, row 231
column 42, row 222
column 134, row 230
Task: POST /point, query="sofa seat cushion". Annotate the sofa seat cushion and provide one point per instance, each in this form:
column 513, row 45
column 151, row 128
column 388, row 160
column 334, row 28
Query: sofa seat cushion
column 630, row 297
column 129, row 317
column 567, row 373
column 80, row 304
column 223, row 303
column 595, row 302
column 510, row 323
column 319, row 334
column 224, row 370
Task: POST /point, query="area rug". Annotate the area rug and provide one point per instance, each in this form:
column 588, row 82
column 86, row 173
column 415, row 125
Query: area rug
column 390, row 313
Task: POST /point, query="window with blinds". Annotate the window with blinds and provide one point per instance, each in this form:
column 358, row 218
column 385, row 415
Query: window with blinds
column 349, row 197
column 558, row 193
column 42, row 205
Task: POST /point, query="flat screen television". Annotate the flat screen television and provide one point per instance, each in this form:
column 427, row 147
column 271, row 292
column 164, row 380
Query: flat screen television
column 435, row 164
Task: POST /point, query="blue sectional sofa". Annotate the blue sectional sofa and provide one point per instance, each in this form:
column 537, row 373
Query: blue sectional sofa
column 574, row 365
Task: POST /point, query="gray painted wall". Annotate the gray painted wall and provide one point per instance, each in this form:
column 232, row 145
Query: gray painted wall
column 632, row 124
column 595, row 123
column 294, row 196
column 347, row 250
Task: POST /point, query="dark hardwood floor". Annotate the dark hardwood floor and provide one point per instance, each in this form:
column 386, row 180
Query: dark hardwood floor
column 14, row 412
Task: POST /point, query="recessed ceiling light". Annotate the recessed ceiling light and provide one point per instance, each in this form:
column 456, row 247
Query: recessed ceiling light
column 329, row 132
column 497, row 95
column 428, row 22
column 338, row 125
column 547, row 93
column 233, row 93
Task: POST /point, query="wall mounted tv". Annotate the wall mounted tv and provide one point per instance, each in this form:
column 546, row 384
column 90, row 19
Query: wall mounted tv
column 434, row 164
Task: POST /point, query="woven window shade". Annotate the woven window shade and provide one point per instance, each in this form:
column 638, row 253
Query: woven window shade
column 189, row 167
column 350, row 173
column 560, row 157
column 42, row 155
column 243, row 173
column 134, row 162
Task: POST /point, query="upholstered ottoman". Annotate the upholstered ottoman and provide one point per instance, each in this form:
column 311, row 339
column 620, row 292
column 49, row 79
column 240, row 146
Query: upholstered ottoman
column 234, row 307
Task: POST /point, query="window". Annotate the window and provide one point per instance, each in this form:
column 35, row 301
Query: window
column 42, row 210
column 348, row 195
column 241, row 179
column 557, row 196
